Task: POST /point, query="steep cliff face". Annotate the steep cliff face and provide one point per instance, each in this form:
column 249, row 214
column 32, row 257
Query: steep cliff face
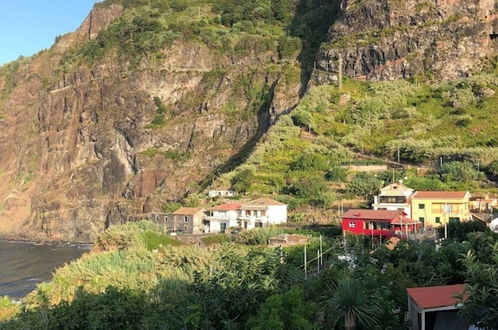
column 389, row 39
column 149, row 99
column 97, row 143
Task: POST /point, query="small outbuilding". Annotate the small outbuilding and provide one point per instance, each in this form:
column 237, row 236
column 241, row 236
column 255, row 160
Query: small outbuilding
column 186, row 220
column 436, row 308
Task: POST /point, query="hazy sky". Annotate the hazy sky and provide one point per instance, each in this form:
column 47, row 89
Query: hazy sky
column 28, row 26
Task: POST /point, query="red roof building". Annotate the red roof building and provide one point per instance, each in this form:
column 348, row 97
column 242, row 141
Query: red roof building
column 378, row 223
column 436, row 307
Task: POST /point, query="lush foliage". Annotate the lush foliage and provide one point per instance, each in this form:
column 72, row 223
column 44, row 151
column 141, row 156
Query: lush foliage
column 255, row 287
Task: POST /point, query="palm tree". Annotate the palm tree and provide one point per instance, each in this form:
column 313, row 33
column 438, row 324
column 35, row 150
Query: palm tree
column 351, row 304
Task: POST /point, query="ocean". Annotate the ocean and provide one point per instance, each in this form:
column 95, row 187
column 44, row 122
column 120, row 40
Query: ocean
column 23, row 265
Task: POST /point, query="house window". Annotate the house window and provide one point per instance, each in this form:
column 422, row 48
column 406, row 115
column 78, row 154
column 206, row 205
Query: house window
column 263, row 213
column 421, row 206
column 421, row 219
column 185, row 219
column 438, row 220
column 258, row 224
column 352, row 225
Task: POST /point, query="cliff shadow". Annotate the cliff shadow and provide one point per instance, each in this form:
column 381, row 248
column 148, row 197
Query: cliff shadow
column 311, row 24
column 264, row 123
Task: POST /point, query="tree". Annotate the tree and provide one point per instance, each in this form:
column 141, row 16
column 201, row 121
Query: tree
column 241, row 182
column 351, row 304
column 459, row 171
column 493, row 169
column 309, row 161
column 364, row 185
column 481, row 285
column 312, row 188
column 284, row 311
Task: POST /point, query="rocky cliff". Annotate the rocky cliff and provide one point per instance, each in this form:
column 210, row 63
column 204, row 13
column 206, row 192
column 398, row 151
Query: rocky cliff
column 88, row 144
column 391, row 39
column 145, row 103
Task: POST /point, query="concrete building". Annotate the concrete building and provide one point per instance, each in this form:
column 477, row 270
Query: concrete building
column 394, row 197
column 436, row 208
column 221, row 193
column 262, row 212
column 186, row 220
column 223, row 217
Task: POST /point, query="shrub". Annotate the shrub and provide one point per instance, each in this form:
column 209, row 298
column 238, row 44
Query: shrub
column 8, row 309
column 313, row 189
column 309, row 161
column 258, row 236
column 425, row 183
column 493, row 168
column 460, row 172
column 336, row 174
column 241, row 182
column 364, row 185
column 303, row 119
column 463, row 121
column 154, row 240
column 216, row 239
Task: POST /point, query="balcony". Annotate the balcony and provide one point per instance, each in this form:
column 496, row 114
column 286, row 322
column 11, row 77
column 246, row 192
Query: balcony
column 253, row 218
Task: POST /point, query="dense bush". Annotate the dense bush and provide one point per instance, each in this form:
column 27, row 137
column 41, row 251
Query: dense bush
column 459, row 171
column 241, row 182
column 313, row 189
column 364, row 185
column 309, row 161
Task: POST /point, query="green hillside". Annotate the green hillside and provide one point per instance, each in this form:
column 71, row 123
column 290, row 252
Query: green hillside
column 455, row 123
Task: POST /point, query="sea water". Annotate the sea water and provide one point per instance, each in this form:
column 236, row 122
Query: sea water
column 24, row 265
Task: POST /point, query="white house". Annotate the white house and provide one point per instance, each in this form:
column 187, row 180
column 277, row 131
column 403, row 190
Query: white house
column 221, row 193
column 394, row 197
column 262, row 212
column 223, row 216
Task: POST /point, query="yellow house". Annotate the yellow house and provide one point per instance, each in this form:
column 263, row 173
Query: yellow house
column 435, row 208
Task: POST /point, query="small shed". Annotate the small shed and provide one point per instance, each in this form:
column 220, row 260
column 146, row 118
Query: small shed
column 436, row 308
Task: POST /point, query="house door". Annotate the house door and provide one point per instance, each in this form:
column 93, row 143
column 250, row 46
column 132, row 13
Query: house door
column 223, row 227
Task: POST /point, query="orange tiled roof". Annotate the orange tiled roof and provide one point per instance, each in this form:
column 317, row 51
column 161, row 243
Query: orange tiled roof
column 187, row 211
column 227, row 207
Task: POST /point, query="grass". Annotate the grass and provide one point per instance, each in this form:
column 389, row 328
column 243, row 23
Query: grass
column 216, row 239
column 154, row 240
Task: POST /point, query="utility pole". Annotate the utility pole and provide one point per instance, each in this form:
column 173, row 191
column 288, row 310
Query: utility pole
column 321, row 250
column 318, row 260
column 399, row 156
column 305, row 263
column 340, row 72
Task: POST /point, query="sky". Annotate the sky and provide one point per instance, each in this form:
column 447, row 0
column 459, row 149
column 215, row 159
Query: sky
column 28, row 26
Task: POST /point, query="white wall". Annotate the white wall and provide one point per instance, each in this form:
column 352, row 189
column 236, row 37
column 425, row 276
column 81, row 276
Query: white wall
column 277, row 214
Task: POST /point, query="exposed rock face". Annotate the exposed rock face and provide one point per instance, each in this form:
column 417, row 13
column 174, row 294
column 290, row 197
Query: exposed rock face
column 80, row 154
column 82, row 149
column 390, row 39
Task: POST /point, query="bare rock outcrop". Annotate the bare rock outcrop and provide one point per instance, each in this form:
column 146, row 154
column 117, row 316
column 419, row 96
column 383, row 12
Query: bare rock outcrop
column 390, row 39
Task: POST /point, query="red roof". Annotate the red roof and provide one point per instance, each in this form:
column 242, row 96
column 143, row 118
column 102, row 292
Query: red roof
column 404, row 221
column 440, row 194
column 227, row 207
column 372, row 214
column 436, row 296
